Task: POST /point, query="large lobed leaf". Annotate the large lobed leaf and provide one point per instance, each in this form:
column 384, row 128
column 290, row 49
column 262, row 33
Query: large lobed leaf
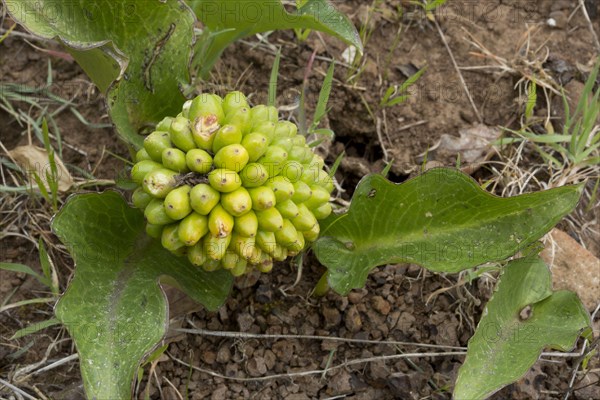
column 228, row 20
column 114, row 308
column 137, row 53
column 441, row 220
column 522, row 318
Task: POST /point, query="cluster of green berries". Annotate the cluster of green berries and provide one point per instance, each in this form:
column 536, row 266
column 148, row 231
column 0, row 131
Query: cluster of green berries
column 230, row 185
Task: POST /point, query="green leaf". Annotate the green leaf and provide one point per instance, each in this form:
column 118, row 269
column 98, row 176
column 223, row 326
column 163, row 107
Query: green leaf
column 35, row 328
column 137, row 53
column 25, row 269
column 522, row 318
column 228, row 20
column 441, row 220
column 114, row 308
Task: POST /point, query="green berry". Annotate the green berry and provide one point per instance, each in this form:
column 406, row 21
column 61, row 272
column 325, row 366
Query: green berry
column 155, row 213
column 280, row 253
column 254, row 175
column 206, row 104
column 298, row 244
column 230, row 260
column 269, row 220
column 220, row 222
column 169, row 238
column 159, row 182
column 313, row 234
column 140, row 199
column 155, row 143
column 174, row 159
column 302, row 192
column 177, row 203
column 287, row 235
column 292, row 170
column 199, row 161
column 282, row 187
column 283, row 142
column 239, row 118
column 265, row 265
column 197, row 255
column 323, row 211
column 204, row 130
column 215, row 247
column 181, row 134
column 262, row 113
column 226, row 135
column 245, row 247
column 240, row 267
column 274, row 159
column 237, row 203
column 262, row 197
column 285, row 129
column 211, row 265
column 224, row 180
column 154, row 231
column 265, row 128
column 142, row 154
column 299, row 140
column 305, row 220
column 246, row 225
column 287, row 209
column 203, row 198
column 192, row 228
column 164, row 125
column 233, row 101
column 141, row 168
column 256, row 144
column 266, row 241
column 301, row 154
column 319, row 197
column 233, row 157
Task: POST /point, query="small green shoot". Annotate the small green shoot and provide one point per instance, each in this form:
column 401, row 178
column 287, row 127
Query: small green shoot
column 399, row 94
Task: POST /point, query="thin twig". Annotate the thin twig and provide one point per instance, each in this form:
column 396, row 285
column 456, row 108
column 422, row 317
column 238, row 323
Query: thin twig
column 462, row 80
column 17, row 390
column 589, row 23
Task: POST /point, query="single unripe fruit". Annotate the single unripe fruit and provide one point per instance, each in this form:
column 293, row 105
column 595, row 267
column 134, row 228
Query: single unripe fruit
column 199, row 161
column 266, row 241
column 204, row 130
column 215, row 247
column 234, row 100
column 224, row 180
column 285, row 129
column 262, row 113
column 240, row 267
column 283, row 142
column 169, row 238
column 254, row 175
column 245, row 247
column 159, row 182
column 302, row 192
column 233, row 157
column 274, row 159
column 319, row 197
column 240, row 118
column 154, row 231
column 299, row 140
column 155, row 143
column 206, row 104
column 174, row 159
column 203, row 198
column 256, row 144
column 226, row 135
column 313, row 234
column 230, row 260
column 305, row 220
column 298, row 244
column 155, row 213
column 292, row 170
column 192, row 228
column 211, row 265
column 323, row 211
column 141, row 168
column 288, row 209
column 269, row 220
column 280, row 253
column 220, row 222
column 282, row 187
column 265, row 128
column 246, row 225
column 164, row 125
column 177, row 203
column 287, row 235
column 237, row 203
column 262, row 197
column 197, row 255
column 181, row 134
column 265, row 264
column 301, row 154
column 140, row 199
column 142, row 154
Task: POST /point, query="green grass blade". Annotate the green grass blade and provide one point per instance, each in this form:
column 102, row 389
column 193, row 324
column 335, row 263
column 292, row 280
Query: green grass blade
column 273, row 81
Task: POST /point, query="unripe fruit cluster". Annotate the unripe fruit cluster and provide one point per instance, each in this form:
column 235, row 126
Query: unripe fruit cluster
column 230, row 186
